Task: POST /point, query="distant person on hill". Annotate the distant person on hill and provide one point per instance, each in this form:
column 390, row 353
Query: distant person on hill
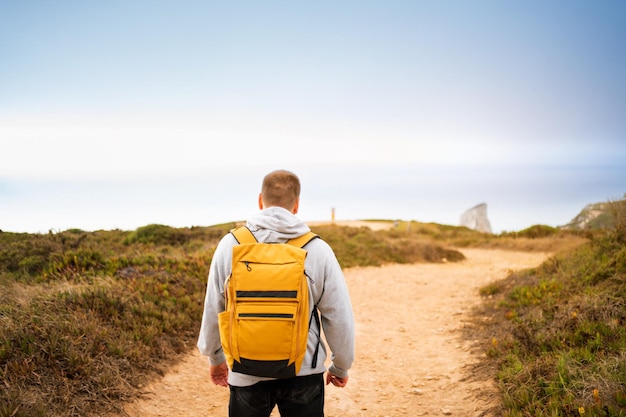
column 302, row 395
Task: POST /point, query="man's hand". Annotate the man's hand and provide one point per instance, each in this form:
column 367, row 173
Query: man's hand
column 219, row 374
column 335, row 380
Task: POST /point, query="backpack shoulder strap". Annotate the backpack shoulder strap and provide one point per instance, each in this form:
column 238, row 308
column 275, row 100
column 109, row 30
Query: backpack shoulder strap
column 303, row 240
column 243, row 235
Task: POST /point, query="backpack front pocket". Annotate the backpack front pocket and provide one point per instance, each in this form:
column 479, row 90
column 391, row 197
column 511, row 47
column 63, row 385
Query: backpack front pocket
column 266, row 331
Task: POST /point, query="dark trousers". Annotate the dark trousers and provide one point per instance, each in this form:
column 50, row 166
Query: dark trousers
column 295, row 397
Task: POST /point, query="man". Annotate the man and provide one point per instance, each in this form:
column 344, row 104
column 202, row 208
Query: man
column 303, row 395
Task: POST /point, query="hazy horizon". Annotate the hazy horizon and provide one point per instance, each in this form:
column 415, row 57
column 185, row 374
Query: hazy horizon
column 551, row 196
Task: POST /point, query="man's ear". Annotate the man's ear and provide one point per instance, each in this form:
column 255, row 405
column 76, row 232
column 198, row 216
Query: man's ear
column 260, row 201
column 296, row 206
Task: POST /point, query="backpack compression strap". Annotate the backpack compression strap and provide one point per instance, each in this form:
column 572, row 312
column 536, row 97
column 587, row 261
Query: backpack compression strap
column 244, row 235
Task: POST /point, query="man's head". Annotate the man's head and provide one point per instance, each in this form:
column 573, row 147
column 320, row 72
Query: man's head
column 280, row 188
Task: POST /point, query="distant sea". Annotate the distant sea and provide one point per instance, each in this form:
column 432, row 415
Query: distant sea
column 516, row 197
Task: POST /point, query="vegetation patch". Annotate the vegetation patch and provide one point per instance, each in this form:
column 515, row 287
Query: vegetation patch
column 557, row 334
column 88, row 318
column 361, row 246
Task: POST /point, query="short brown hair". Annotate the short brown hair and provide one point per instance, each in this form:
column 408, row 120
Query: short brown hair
column 280, row 188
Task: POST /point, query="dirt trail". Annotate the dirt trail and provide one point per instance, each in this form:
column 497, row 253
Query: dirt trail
column 410, row 357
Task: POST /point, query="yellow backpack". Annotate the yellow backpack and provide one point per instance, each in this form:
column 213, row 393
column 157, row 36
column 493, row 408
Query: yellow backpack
column 264, row 329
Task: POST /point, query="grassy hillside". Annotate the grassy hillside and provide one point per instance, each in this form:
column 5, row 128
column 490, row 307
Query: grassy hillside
column 88, row 318
column 557, row 337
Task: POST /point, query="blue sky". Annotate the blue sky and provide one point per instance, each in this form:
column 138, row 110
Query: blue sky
column 118, row 114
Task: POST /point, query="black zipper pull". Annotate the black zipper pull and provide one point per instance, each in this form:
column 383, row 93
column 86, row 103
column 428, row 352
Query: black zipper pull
column 248, row 265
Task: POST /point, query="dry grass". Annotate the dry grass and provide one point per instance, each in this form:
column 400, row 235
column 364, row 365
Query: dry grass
column 88, row 318
column 556, row 335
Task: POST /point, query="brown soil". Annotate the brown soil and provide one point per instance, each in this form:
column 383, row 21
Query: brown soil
column 412, row 358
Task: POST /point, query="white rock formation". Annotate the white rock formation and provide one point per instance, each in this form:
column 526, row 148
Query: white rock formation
column 476, row 219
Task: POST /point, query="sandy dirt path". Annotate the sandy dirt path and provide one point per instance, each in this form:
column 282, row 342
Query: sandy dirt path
column 411, row 358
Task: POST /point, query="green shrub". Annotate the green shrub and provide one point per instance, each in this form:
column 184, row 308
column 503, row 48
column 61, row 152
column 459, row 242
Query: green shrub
column 157, row 234
column 26, row 254
column 537, row 231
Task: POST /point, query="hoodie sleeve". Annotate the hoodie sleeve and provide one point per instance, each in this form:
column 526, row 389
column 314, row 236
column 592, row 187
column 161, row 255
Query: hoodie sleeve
column 209, row 342
column 336, row 310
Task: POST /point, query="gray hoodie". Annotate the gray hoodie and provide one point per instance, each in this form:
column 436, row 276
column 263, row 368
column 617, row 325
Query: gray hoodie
column 328, row 292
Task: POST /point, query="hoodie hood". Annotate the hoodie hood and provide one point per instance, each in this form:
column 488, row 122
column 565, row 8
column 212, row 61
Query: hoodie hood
column 276, row 224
